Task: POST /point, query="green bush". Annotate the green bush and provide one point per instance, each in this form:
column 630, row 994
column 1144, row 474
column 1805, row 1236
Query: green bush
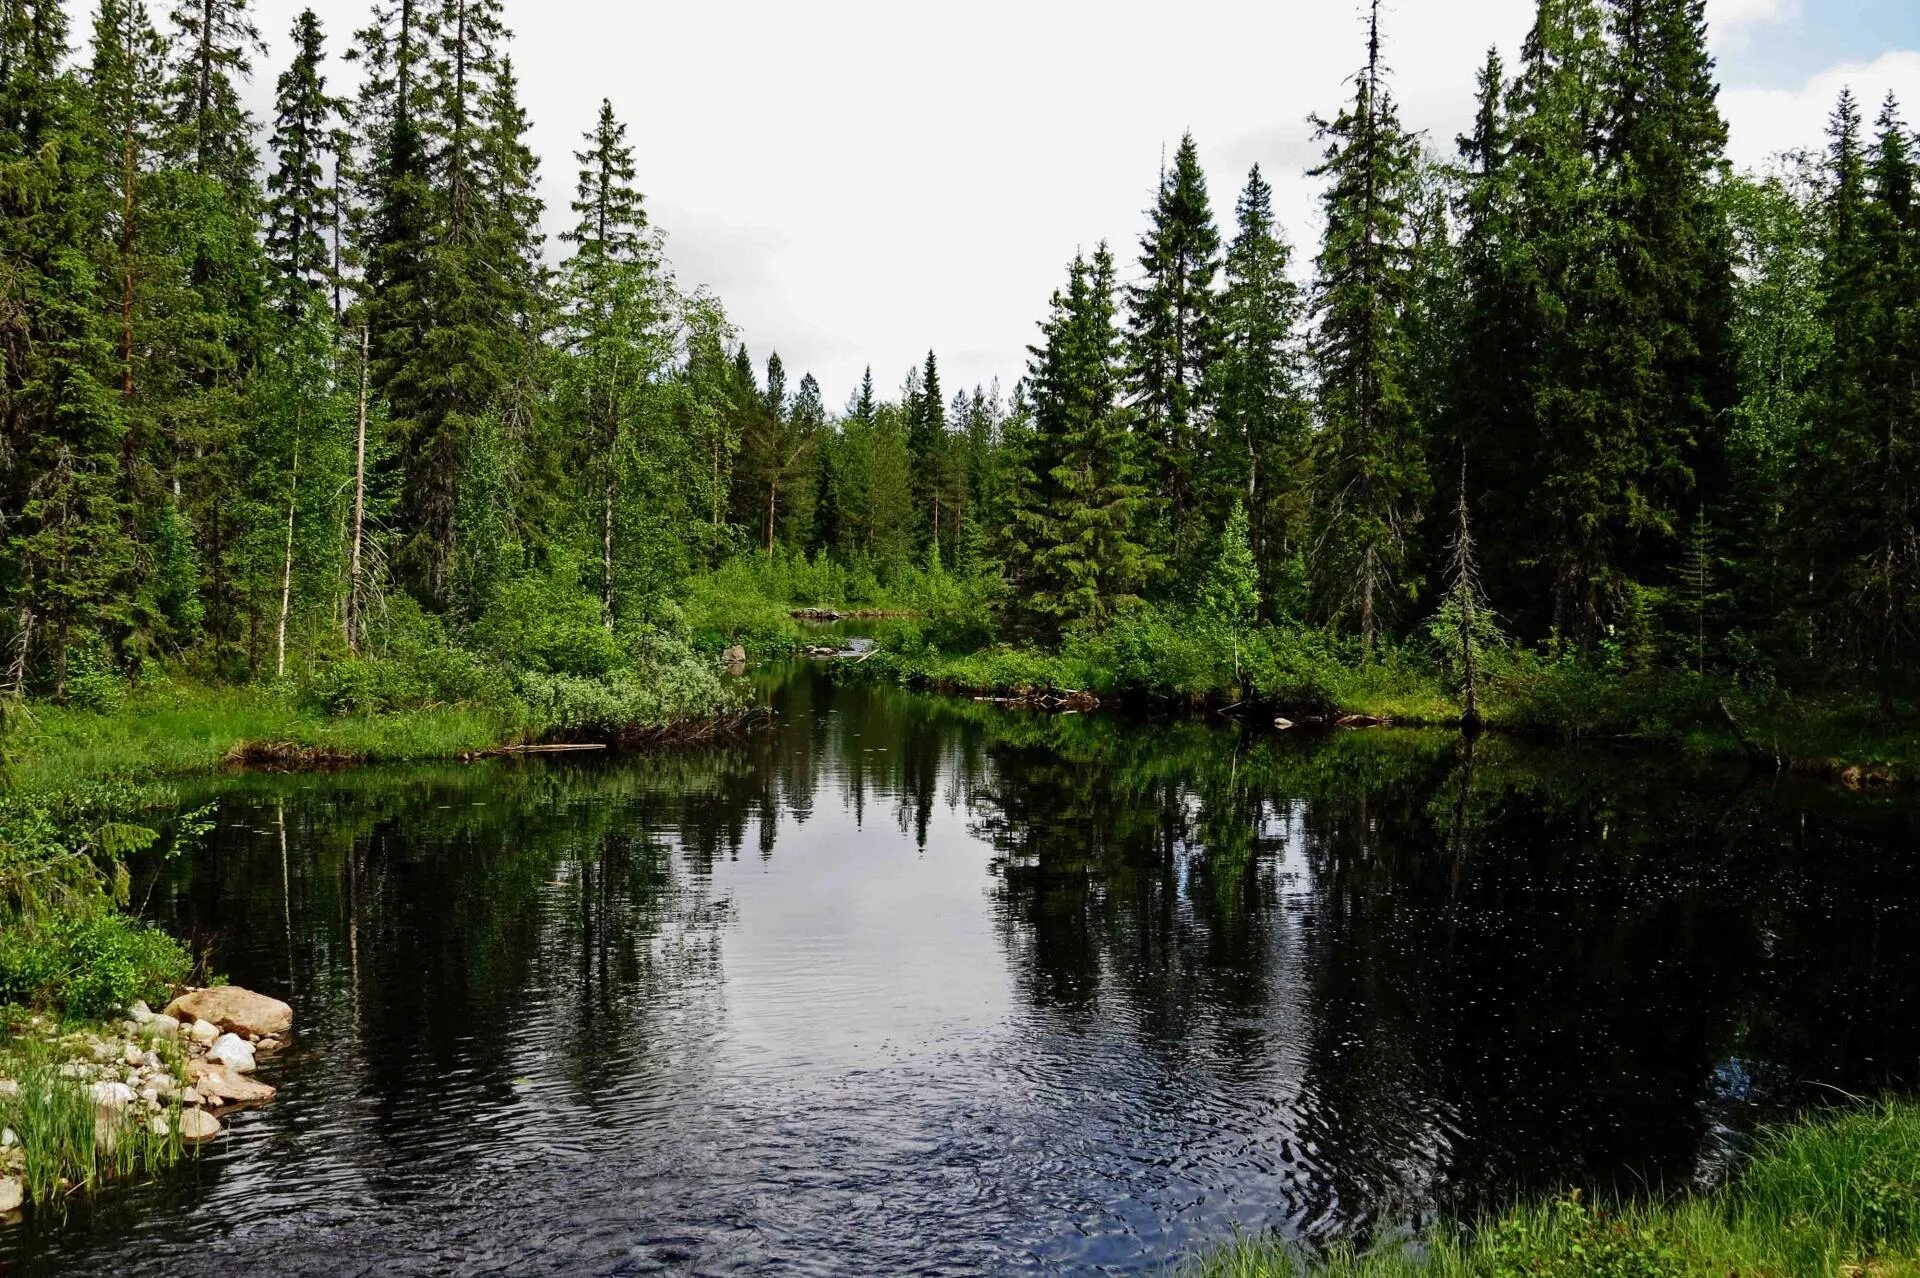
column 1571, row 1239
column 88, row 965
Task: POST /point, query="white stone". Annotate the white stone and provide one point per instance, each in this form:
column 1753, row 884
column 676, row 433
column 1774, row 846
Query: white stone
column 198, row 1124
column 7, row 1139
column 8, row 1087
column 158, row 1125
column 112, row 1095
column 163, row 1026
column 234, row 1052
column 140, row 1012
column 204, row 1031
column 133, row 1055
column 12, row 1194
column 191, row 1097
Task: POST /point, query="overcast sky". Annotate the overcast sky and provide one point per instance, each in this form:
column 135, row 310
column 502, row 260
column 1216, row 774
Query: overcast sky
column 860, row 180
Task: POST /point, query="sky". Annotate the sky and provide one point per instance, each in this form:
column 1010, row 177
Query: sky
column 862, row 180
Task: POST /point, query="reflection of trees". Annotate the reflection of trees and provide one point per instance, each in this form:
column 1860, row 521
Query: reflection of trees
column 1522, row 963
column 1359, row 975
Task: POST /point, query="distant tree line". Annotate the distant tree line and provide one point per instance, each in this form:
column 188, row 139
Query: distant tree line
column 250, row 403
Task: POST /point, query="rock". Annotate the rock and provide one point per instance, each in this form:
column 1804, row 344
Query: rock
column 140, row 1012
column 198, row 1125
column 192, row 1097
column 1283, row 724
column 105, row 1051
column 150, row 1095
column 163, row 1026
column 234, row 1052
column 268, row 1044
column 159, row 1126
column 9, row 1088
column 736, row 655
column 7, row 1139
column 112, row 1095
column 235, row 1010
column 203, row 1032
column 216, row 1082
column 133, row 1056
column 12, row 1194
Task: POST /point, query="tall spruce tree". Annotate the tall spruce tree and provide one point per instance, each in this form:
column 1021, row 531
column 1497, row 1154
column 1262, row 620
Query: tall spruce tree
column 1663, row 345
column 1173, row 345
column 1084, row 524
column 1263, row 425
column 299, row 198
column 1371, row 471
column 927, row 448
column 67, row 559
column 615, row 329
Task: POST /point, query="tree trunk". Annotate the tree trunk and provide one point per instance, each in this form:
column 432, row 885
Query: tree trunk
column 286, row 568
column 359, row 506
column 606, row 553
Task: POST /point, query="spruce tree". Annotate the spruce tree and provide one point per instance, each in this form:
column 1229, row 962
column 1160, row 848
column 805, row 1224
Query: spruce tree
column 1173, row 345
column 299, row 197
column 927, row 447
column 66, row 566
column 1664, row 334
column 1085, row 522
column 1263, row 426
column 1371, row 471
column 615, row 330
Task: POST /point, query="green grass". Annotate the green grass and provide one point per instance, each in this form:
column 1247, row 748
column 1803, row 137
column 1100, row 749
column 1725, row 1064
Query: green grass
column 172, row 729
column 1836, row 1196
column 63, row 1144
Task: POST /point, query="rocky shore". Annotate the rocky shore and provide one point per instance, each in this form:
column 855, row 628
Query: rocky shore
column 155, row 1082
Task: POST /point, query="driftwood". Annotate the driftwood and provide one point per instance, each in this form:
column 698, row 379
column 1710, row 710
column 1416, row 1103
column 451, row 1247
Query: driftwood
column 1054, row 700
column 850, row 614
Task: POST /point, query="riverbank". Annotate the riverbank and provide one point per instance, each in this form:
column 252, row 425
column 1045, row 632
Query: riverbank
column 1836, row 1196
column 1164, row 662
column 84, row 1106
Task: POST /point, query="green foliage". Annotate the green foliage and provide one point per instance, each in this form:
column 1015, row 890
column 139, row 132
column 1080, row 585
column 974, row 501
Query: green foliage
column 89, row 965
column 1832, row 1194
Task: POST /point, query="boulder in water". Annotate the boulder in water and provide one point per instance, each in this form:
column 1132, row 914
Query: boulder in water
column 232, row 1051
column 235, row 1010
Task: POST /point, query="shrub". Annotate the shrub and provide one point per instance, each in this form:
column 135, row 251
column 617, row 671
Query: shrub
column 89, row 964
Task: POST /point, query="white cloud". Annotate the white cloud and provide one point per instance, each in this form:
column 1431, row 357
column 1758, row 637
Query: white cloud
column 860, row 180
column 1762, row 123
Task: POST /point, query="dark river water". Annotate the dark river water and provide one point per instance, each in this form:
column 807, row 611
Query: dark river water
column 913, row 986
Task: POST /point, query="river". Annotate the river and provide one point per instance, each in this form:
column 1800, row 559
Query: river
column 905, row 985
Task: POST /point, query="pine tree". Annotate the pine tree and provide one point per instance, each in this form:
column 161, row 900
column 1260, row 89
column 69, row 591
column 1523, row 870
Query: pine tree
column 1664, row 343
column 1173, row 344
column 65, row 570
column 927, row 448
column 1569, row 503
column 1264, row 429
column 1371, row 470
column 299, row 198
column 1886, row 573
column 616, row 325
column 215, row 340
column 1085, row 522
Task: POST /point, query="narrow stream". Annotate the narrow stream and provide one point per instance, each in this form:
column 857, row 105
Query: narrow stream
column 919, row 986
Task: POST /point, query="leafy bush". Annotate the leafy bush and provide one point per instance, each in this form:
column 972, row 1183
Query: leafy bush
column 88, row 964
column 1570, row 1239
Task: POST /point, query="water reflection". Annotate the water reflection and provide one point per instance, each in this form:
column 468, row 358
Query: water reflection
column 927, row 986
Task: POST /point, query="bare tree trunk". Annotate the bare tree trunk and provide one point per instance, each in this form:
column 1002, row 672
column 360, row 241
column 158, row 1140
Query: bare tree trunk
column 359, row 506
column 286, row 567
column 606, row 553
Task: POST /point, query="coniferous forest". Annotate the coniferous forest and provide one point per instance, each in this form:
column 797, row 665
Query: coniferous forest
column 312, row 399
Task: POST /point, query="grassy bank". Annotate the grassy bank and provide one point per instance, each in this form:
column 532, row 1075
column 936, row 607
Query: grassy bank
column 1164, row 658
column 1831, row 1197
